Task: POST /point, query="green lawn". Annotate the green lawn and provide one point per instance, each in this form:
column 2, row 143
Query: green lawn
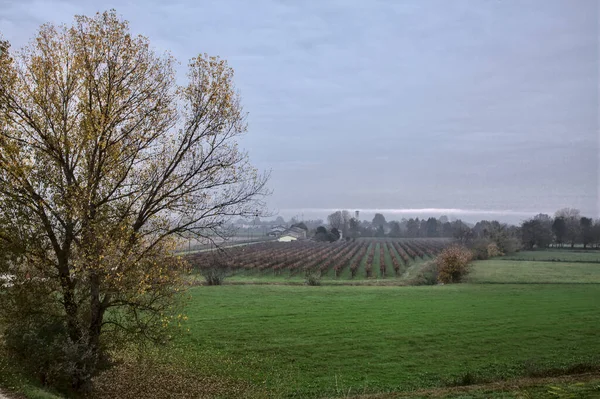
column 557, row 255
column 278, row 340
column 503, row 271
column 317, row 341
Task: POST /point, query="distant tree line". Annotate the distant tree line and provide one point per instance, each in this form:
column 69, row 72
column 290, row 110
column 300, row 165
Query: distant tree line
column 351, row 228
column 567, row 228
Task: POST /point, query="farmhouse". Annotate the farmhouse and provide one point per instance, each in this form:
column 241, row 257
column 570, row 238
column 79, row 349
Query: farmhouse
column 297, row 232
column 276, row 231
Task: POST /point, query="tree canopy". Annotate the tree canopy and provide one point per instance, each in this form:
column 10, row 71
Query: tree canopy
column 105, row 162
column 379, row 220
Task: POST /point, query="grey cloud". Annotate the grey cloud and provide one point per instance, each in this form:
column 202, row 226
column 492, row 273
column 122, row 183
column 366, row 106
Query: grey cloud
column 395, row 105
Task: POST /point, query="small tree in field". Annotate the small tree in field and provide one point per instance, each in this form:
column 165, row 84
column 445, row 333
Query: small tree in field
column 104, row 162
column 453, row 264
column 215, row 269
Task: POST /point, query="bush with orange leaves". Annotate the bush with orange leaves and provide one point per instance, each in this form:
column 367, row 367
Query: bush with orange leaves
column 453, row 264
column 493, row 250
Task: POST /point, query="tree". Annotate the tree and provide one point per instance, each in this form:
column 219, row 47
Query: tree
column 321, row 230
column 334, row 234
column 482, row 229
column 340, row 220
column 313, row 224
column 528, row 235
column 532, row 234
column 300, row 225
column 346, row 217
column 447, row 229
column 395, row 229
column 508, row 242
column 104, row 162
column 336, row 220
column 537, row 232
column 559, row 228
column 379, row 220
column 423, row 228
column 279, row 220
column 412, row 227
column 462, row 232
column 432, row 227
column 354, row 227
column 587, row 231
column 321, row 234
column 572, row 218
column 505, row 237
column 595, row 233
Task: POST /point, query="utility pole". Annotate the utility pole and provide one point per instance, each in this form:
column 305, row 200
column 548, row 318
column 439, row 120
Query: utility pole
column 254, row 224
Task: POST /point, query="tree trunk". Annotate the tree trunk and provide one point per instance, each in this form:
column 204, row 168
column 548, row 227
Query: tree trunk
column 78, row 380
column 96, row 315
column 69, row 300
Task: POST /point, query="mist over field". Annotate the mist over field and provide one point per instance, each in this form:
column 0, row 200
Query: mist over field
column 468, row 215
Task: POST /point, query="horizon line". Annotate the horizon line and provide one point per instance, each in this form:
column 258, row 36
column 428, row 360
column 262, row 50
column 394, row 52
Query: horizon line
column 403, row 211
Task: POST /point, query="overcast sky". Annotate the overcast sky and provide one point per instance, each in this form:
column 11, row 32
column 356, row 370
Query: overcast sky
column 479, row 109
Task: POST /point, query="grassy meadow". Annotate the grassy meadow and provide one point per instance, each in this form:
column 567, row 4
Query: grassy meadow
column 373, row 339
column 534, row 272
column 331, row 340
column 557, row 255
column 512, row 320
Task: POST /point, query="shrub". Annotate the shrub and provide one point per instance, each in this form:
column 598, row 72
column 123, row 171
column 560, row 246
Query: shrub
column 427, row 275
column 215, row 269
column 508, row 245
column 493, row 250
column 312, row 278
column 462, row 380
column 453, row 264
column 479, row 248
column 214, row 275
column 42, row 347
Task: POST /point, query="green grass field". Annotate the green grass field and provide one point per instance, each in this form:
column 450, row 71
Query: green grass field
column 376, row 339
column 512, row 319
column 502, row 271
column 323, row 341
column 557, row 255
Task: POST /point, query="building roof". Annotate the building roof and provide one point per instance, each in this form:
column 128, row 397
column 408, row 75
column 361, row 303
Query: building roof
column 287, row 238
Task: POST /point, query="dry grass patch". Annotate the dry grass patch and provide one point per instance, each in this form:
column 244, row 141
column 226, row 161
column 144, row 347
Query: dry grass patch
column 151, row 380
